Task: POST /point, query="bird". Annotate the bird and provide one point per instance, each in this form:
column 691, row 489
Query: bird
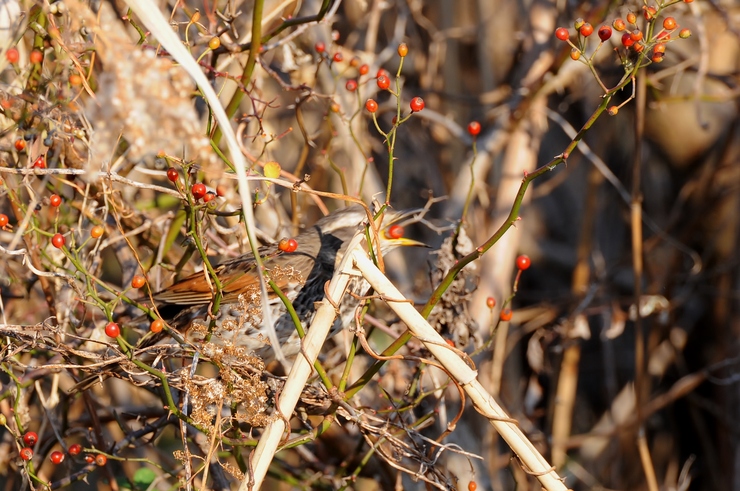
column 300, row 274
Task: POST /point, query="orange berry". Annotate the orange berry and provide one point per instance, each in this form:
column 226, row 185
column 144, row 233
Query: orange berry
column 613, row 110
column 138, row 281
column 403, row 50
column 384, row 82
column 562, row 33
column 631, row 18
column 490, row 302
column 417, row 104
column 20, row 144
column 12, row 55
column 156, row 326
column 586, row 30
column 3, row 220
column 575, row 54
column 101, row 460
column 395, row 232
column 685, row 33
column 649, row 12
column 364, row 69
column 97, row 231
column 636, row 35
column 36, row 56
column 472, row 486
column 214, row 42
column 619, row 25
column 669, row 23
column 288, row 245
column 55, row 200
column 75, row 79
column 351, row 85
column 506, row 315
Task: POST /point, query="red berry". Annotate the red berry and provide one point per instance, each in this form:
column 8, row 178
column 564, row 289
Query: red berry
column 12, row 55
column 403, row 50
column 320, row 47
column 474, row 128
column 395, row 232
column 56, row 457
column 669, row 24
column 417, row 104
column 199, row 190
column 382, row 71
column 20, row 144
column 364, row 69
column 562, row 33
column 112, row 330
column 172, row 174
column 586, row 30
column 288, row 245
column 627, row 40
column 55, row 200
column 30, row 438
column 75, row 449
column 659, row 48
column 210, row 196
column 138, row 281
column 156, row 326
column 40, row 162
column 3, row 220
column 490, row 302
column 619, row 25
column 636, row 35
column 26, row 453
column 351, row 85
column 371, row 106
column 57, row 241
column 337, row 57
column 605, row 32
column 36, row 56
column 101, row 460
column 97, row 231
column 523, row 262
column 384, row 82
column 506, row 315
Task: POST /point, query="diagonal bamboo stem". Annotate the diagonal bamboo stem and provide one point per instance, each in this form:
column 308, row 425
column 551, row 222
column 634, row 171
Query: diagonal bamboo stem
column 533, row 461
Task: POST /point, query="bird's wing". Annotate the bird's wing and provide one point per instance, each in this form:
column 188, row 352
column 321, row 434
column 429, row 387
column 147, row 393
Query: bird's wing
column 237, row 277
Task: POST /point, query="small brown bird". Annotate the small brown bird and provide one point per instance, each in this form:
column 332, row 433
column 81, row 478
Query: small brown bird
column 301, row 275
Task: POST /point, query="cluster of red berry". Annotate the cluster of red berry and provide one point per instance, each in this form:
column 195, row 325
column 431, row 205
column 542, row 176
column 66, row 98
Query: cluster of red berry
column 522, row 263
column 30, row 438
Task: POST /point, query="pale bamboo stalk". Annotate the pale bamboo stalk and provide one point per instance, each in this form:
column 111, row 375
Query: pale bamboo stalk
column 533, row 461
column 301, row 370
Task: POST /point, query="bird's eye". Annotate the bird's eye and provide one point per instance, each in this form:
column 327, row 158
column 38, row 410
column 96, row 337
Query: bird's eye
column 394, row 232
